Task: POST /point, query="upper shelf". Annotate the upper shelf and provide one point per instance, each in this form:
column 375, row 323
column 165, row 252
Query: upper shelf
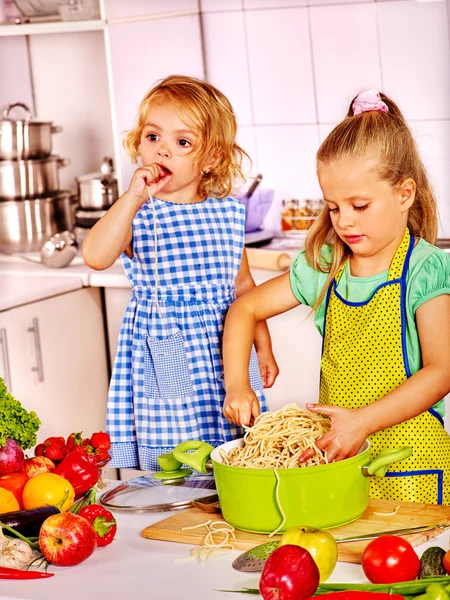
column 51, row 27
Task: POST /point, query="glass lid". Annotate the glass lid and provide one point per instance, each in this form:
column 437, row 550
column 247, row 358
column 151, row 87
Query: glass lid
column 147, row 494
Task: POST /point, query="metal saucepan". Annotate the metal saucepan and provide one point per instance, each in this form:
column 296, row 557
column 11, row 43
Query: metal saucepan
column 25, row 138
column 320, row 496
column 25, row 179
column 98, row 190
column 26, row 225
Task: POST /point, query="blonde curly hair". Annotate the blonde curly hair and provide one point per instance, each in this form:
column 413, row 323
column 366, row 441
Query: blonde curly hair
column 215, row 121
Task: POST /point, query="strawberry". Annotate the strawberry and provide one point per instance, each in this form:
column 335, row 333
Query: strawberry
column 101, row 439
column 66, row 449
column 53, row 451
column 59, row 441
column 80, row 449
column 86, row 442
column 39, row 450
column 75, row 439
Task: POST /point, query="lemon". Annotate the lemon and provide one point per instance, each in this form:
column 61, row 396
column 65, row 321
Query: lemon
column 48, row 489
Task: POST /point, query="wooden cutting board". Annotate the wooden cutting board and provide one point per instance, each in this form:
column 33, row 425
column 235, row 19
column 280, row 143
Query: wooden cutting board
column 408, row 515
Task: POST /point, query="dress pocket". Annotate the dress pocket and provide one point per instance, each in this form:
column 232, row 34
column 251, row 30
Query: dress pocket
column 167, row 374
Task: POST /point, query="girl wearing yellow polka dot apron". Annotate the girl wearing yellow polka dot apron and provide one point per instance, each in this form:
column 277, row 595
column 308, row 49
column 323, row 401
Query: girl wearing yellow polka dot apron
column 380, row 292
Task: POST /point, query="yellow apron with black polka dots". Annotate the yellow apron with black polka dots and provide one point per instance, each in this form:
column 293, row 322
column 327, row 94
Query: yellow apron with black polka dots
column 364, row 357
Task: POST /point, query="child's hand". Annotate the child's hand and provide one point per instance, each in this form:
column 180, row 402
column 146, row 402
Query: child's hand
column 152, row 177
column 267, row 366
column 346, row 434
column 241, row 408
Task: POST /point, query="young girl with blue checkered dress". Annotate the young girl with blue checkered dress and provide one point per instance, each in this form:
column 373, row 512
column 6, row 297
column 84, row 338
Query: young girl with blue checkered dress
column 181, row 237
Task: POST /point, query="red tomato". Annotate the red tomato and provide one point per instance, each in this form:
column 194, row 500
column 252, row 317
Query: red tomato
column 14, row 482
column 390, row 559
column 446, row 561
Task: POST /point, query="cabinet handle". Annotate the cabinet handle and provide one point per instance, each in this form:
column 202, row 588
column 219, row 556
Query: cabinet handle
column 4, row 343
column 37, row 345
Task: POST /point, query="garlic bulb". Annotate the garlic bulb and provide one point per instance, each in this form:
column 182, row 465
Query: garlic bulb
column 14, row 554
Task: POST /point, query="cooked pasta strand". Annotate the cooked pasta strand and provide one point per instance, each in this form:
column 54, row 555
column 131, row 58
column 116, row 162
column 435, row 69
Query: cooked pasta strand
column 278, row 439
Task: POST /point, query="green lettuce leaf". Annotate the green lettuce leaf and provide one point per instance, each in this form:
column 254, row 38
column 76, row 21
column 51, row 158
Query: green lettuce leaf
column 16, row 422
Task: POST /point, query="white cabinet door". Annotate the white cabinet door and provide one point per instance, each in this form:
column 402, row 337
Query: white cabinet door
column 57, row 361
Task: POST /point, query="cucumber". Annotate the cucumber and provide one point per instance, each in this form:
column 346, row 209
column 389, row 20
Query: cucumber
column 431, row 563
column 28, row 522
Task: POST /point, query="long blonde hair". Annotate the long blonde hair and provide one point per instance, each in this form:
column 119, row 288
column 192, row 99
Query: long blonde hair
column 215, row 121
column 388, row 135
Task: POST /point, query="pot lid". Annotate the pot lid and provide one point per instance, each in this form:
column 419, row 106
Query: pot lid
column 147, row 494
column 26, row 119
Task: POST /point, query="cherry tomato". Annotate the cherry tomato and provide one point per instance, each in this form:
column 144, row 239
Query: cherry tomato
column 390, row 559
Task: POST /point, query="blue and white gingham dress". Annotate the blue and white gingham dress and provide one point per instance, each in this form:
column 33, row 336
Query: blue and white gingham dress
column 167, row 380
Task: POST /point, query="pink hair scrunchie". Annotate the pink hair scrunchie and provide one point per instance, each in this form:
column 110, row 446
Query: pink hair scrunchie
column 368, row 100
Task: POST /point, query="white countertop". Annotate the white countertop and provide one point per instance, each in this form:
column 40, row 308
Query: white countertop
column 133, row 567
column 25, row 279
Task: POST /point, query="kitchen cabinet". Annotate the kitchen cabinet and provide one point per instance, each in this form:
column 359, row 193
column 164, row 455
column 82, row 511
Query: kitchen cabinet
column 53, row 359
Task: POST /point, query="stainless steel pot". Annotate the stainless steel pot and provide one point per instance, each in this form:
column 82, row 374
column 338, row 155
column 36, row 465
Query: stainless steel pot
column 98, row 190
column 25, row 138
column 25, row 179
column 26, row 225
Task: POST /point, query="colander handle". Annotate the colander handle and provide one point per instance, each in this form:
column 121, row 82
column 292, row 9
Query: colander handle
column 380, row 463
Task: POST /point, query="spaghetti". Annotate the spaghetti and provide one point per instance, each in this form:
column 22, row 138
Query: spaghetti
column 278, row 439
column 219, row 539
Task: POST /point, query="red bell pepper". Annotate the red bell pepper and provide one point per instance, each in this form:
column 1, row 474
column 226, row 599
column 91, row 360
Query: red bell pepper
column 102, row 521
column 79, row 471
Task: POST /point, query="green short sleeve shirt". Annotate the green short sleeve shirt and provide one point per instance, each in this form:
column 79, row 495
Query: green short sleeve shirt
column 428, row 276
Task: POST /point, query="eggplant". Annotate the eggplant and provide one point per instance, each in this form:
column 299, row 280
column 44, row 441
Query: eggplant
column 28, row 522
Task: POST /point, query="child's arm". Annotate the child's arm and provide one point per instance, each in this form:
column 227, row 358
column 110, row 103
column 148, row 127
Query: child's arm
column 112, row 234
column 267, row 300
column 350, row 427
column 263, row 344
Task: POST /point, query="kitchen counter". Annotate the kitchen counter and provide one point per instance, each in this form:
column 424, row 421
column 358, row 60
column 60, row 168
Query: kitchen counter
column 25, row 279
column 134, row 567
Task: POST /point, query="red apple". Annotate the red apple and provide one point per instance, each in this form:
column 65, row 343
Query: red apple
column 11, row 457
column 38, row 464
column 66, row 539
column 289, row 573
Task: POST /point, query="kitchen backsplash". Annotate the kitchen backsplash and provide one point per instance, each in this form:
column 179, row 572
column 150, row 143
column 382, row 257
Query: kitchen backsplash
column 291, row 68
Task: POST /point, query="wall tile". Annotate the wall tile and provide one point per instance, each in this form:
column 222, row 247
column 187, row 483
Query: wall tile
column 321, row 2
column 348, row 34
column 280, row 66
column 133, row 75
column 226, row 65
column 14, row 61
column 415, row 57
column 286, row 158
column 255, row 4
column 433, row 141
column 62, row 95
column 118, row 9
column 220, row 5
column 325, row 129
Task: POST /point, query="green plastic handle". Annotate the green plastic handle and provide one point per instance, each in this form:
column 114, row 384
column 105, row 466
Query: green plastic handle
column 196, row 459
column 380, row 463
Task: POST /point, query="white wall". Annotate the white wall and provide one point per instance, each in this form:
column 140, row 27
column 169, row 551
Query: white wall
column 291, row 67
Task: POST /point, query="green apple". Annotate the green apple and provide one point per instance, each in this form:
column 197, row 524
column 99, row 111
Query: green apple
column 320, row 544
